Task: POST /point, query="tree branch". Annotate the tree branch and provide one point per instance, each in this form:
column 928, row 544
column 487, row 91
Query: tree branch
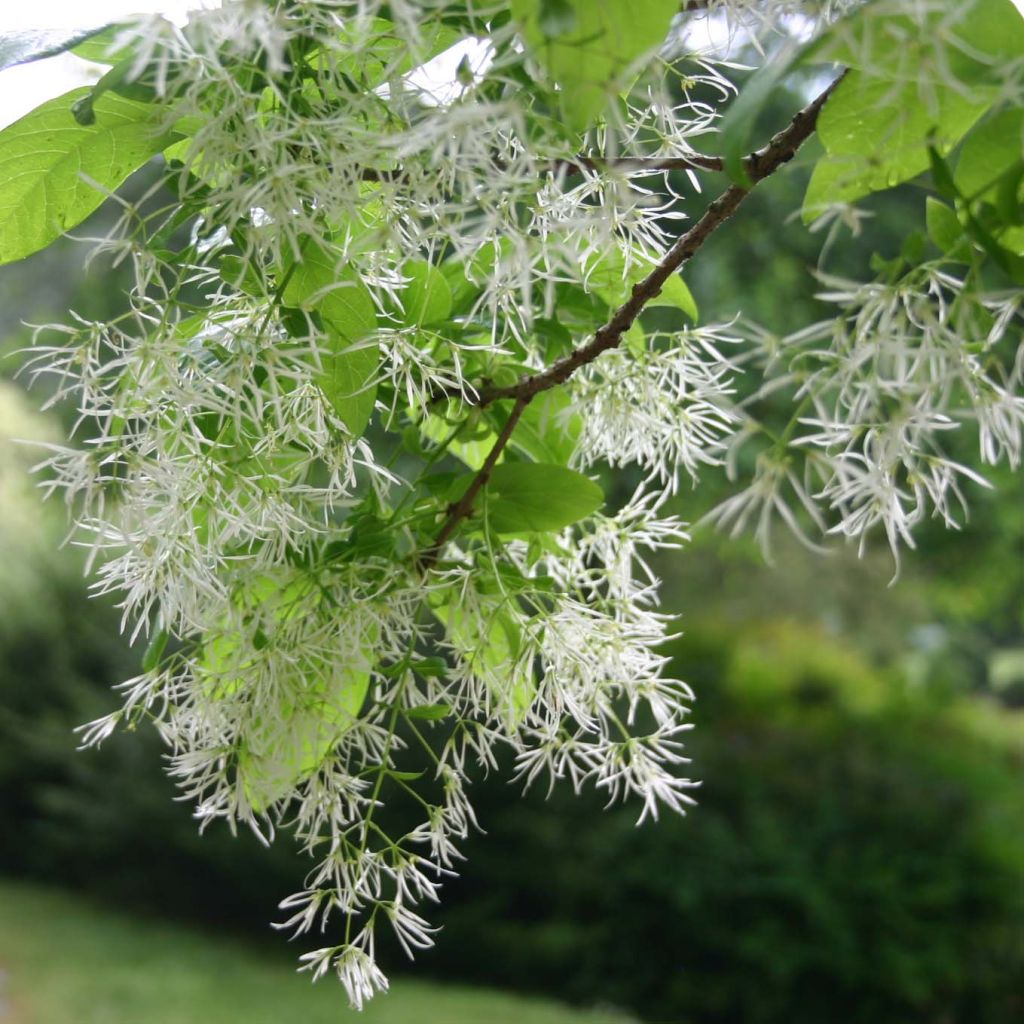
column 581, row 163
column 461, row 509
column 759, row 165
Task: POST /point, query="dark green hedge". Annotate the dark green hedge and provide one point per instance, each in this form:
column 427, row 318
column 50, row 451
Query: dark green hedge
column 853, row 858
column 855, row 855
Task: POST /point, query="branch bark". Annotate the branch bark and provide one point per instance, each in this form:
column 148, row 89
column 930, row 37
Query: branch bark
column 759, row 165
column 461, row 508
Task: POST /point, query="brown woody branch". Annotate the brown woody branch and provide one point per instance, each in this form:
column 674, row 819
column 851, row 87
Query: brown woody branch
column 759, row 165
column 460, row 509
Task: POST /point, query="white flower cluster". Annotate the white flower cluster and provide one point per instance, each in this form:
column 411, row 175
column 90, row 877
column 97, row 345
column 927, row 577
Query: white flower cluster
column 355, row 253
column 883, row 392
column 307, row 666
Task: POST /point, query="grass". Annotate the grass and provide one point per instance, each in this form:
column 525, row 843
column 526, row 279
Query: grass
column 64, row 960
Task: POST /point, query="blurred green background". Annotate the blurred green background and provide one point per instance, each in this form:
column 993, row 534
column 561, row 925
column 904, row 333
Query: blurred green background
column 857, row 853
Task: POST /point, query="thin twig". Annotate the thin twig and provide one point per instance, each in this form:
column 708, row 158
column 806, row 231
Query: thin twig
column 693, row 162
column 780, row 150
column 581, row 163
column 759, row 165
column 461, row 509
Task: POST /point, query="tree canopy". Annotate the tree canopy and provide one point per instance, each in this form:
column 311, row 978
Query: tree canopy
column 409, row 286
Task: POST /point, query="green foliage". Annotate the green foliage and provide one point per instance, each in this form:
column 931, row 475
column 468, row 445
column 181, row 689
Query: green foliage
column 587, row 46
column 427, row 298
column 877, row 135
column 350, row 286
column 56, row 171
column 912, row 89
column 612, row 281
column 348, row 377
column 521, row 497
column 853, row 847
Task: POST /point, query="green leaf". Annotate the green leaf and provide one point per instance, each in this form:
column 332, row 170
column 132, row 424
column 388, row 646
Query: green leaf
column 920, row 80
column 316, row 703
column 348, row 380
column 155, row 650
column 380, row 51
column 427, row 298
column 547, row 430
column 320, row 282
column 119, row 79
column 473, row 442
column 97, row 47
column 610, row 280
column 588, row 46
column 961, row 41
column 38, row 44
column 521, row 497
column 877, row 134
column 991, row 33
column 944, row 228
column 315, row 712
column 493, row 653
column 46, row 159
column 239, row 273
column 989, row 151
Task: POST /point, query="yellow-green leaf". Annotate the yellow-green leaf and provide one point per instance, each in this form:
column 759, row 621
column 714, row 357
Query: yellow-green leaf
column 54, row 171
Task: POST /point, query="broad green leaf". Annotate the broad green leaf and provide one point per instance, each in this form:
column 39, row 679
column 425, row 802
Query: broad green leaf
column 945, row 41
column 319, row 284
column 610, row 280
column 991, row 33
column 120, row 80
column 55, row 172
column 548, row 430
column 521, row 497
column 877, row 135
column 587, row 46
column 676, row 293
column 97, row 47
column 989, row 151
column 317, row 702
column 462, row 290
column 349, row 381
column 382, row 54
column 323, row 703
column 473, row 442
column 1012, row 239
column 239, row 273
column 427, row 298
column 920, row 80
column 38, row 44
column 944, row 228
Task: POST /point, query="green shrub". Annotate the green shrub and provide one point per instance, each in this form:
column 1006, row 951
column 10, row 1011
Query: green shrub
column 856, row 854
column 852, row 858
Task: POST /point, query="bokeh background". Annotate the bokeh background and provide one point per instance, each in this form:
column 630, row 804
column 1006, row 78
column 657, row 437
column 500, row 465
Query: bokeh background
column 857, row 853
